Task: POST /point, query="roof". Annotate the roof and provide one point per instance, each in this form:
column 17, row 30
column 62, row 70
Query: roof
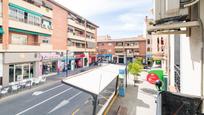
column 138, row 38
column 68, row 10
column 96, row 80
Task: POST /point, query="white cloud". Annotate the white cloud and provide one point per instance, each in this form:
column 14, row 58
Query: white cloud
column 129, row 22
column 89, row 8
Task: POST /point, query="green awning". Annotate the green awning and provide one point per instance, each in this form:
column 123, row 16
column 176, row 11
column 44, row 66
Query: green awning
column 24, row 9
column 1, row 31
column 28, row 32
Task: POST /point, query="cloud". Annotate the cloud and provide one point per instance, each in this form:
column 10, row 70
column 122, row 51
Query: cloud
column 90, row 8
column 118, row 18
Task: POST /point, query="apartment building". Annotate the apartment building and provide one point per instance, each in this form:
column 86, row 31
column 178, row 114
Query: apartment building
column 81, row 41
column 121, row 50
column 34, row 40
column 156, row 47
column 182, row 21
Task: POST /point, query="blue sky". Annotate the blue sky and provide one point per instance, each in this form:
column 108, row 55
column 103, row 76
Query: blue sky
column 117, row 18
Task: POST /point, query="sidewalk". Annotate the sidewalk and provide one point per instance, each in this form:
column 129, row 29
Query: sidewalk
column 139, row 100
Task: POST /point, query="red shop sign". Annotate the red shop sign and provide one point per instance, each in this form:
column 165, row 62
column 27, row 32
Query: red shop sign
column 79, row 56
column 152, row 78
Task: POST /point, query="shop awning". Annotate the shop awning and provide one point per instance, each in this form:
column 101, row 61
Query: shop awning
column 24, row 9
column 1, row 31
column 173, row 26
column 28, row 32
column 96, row 80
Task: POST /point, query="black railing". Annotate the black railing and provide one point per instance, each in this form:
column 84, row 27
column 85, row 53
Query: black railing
column 177, row 77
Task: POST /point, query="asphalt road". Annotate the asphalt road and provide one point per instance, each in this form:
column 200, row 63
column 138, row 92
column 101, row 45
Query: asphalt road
column 53, row 99
column 57, row 99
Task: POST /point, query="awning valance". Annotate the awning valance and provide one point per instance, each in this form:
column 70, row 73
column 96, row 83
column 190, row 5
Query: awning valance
column 172, row 26
column 24, row 9
column 28, row 32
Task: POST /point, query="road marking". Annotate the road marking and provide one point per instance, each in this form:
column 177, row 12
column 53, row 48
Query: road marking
column 64, row 102
column 41, row 92
column 74, row 113
column 42, row 102
column 86, row 102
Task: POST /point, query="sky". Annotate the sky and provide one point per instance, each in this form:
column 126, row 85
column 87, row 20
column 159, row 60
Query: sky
column 117, row 18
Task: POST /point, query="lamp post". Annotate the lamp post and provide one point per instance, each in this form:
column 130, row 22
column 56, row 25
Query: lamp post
column 126, row 67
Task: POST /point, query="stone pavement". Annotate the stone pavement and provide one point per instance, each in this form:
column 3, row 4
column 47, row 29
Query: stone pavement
column 139, row 100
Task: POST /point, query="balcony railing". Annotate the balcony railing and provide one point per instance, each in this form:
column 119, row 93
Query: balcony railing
column 177, row 77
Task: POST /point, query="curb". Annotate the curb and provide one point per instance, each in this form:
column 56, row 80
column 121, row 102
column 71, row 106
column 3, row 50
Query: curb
column 110, row 105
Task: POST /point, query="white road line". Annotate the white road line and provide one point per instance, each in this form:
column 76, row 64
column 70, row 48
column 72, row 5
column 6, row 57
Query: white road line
column 20, row 113
column 53, row 88
column 64, row 102
column 74, row 96
column 47, row 90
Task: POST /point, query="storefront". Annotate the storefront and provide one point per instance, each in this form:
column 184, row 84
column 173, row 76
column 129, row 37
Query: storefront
column 79, row 60
column 49, row 67
column 18, row 72
column 51, row 63
column 19, row 66
column 104, row 57
column 92, row 59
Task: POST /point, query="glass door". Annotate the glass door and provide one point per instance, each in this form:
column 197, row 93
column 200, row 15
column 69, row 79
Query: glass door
column 18, row 73
column 26, row 71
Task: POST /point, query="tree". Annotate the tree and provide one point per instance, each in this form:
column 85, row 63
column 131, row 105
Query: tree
column 135, row 68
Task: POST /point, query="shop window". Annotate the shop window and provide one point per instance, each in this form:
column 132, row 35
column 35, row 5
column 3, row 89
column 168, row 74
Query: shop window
column 1, row 39
column 11, row 73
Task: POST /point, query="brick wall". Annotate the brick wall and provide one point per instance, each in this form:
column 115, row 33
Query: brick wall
column 59, row 23
column 107, row 47
column 142, row 48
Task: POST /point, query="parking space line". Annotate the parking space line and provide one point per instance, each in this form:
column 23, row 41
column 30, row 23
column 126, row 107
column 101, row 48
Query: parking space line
column 20, row 113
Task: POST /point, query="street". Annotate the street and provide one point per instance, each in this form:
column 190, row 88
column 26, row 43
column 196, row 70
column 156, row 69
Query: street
column 53, row 98
column 56, row 99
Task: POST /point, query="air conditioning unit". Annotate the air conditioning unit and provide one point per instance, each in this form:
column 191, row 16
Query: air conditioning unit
column 170, row 10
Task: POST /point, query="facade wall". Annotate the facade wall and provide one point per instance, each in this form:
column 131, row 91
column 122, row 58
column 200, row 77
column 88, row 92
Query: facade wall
column 59, row 36
column 142, row 48
column 106, row 48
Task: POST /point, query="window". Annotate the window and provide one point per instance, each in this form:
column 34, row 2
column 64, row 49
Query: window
column 148, row 41
column 18, row 39
column 30, row 19
column 16, row 14
column 46, row 24
column 162, row 41
column 157, row 40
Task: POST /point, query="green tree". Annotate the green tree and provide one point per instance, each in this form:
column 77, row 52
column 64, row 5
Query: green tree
column 135, row 68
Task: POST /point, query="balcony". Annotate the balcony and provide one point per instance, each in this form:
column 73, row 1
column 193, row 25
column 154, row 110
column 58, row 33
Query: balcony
column 131, row 47
column 75, row 24
column 91, row 30
column 28, row 27
column 91, row 50
column 28, row 48
column 73, row 36
column 119, row 47
column 75, row 49
column 41, row 10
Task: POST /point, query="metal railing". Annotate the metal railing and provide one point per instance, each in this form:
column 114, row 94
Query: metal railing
column 177, row 77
